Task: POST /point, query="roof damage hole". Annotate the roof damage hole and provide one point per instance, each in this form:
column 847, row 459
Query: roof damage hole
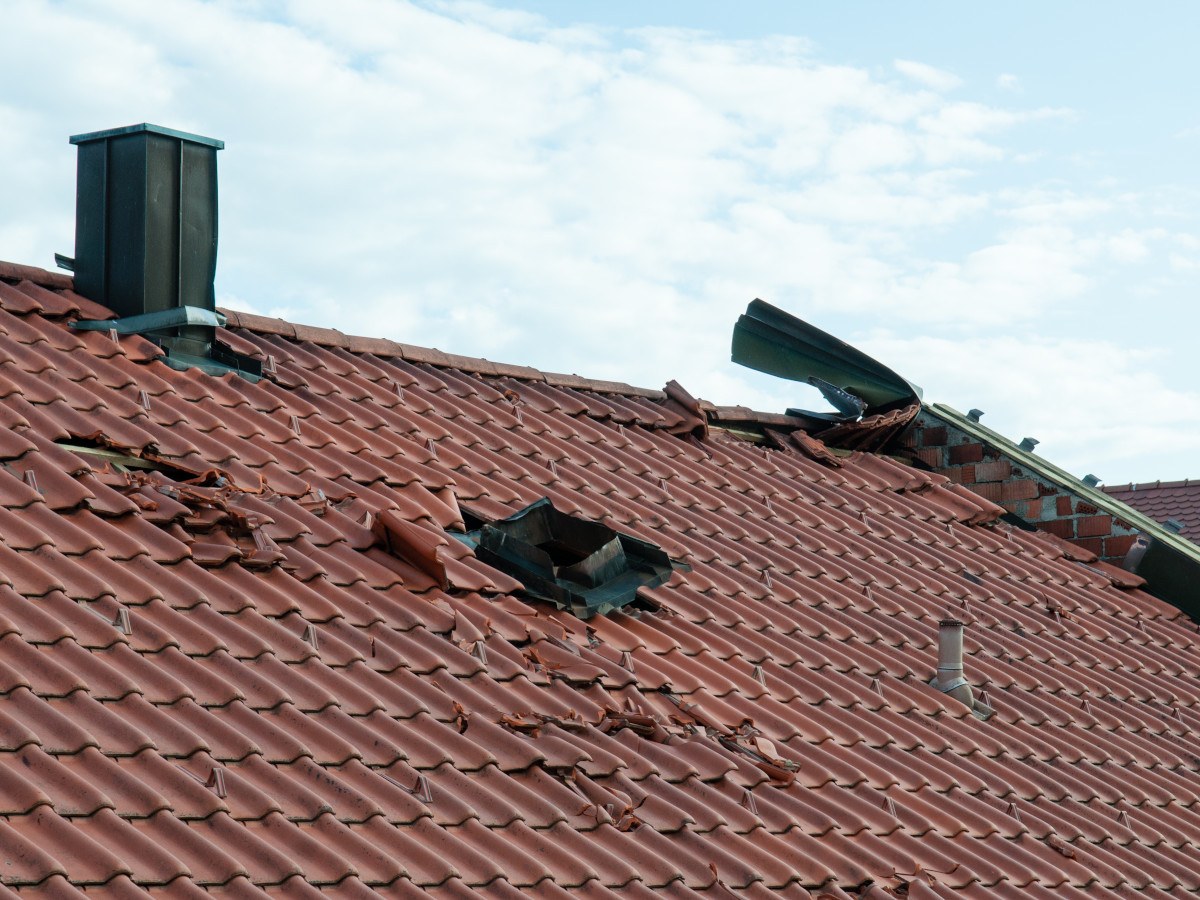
column 576, row 564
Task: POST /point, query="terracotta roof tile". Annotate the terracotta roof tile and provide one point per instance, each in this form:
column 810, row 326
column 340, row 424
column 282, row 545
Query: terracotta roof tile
column 1163, row 500
column 247, row 688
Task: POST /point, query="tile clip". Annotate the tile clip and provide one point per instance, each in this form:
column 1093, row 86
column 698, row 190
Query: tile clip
column 311, row 636
column 216, row 782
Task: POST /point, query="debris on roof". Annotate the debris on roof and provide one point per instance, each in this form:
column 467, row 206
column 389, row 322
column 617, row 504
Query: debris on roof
column 878, row 411
column 362, row 626
column 266, row 664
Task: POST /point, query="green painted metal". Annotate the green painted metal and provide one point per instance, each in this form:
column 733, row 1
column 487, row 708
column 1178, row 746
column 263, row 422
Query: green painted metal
column 147, row 128
column 146, row 219
column 770, row 340
column 155, row 321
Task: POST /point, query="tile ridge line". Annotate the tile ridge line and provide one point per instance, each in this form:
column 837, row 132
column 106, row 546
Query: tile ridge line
column 331, row 337
column 1151, row 485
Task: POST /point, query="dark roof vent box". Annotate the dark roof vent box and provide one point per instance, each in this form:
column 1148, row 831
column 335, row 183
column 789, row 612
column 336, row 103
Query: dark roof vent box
column 146, row 241
column 574, row 563
column 146, row 219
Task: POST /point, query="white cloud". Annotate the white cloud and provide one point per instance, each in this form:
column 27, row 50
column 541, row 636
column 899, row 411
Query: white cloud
column 1058, row 379
column 927, row 75
column 1006, row 81
column 582, row 199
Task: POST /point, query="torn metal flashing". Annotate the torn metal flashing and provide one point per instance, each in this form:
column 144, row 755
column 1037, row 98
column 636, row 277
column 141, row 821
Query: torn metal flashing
column 187, row 334
column 770, row 340
column 578, row 565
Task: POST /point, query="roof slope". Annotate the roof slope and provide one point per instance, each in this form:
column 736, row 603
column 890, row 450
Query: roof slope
column 237, row 683
column 1163, row 500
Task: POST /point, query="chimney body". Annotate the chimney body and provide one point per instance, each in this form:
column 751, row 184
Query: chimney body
column 146, row 219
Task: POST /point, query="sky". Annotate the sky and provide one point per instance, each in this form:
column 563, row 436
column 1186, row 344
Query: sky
column 999, row 202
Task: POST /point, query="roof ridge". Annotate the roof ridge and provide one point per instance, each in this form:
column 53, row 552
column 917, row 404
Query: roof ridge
column 377, row 346
column 1151, row 485
column 331, row 337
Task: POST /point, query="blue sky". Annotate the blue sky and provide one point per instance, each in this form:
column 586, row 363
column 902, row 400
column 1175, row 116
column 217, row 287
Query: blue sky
column 999, row 202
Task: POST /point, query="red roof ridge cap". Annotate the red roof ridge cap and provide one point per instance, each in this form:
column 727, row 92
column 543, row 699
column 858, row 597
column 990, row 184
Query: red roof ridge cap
column 579, row 383
column 376, row 346
column 40, row 277
column 260, row 324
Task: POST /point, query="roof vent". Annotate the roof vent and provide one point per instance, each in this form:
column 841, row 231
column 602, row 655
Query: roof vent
column 1135, row 554
column 975, row 414
column 1091, row 480
column 578, row 565
column 146, row 237
column 1029, row 443
column 949, row 678
column 1173, row 525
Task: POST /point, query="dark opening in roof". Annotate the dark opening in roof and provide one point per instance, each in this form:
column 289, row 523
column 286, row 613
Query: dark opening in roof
column 576, row 564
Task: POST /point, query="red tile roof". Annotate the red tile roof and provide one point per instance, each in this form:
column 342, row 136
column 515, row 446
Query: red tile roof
column 217, row 675
column 1163, row 500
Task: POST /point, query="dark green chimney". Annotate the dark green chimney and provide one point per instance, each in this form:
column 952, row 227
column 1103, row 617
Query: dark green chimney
column 146, row 219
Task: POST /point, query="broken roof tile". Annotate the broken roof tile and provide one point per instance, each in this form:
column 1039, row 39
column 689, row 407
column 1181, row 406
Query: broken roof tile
column 385, row 712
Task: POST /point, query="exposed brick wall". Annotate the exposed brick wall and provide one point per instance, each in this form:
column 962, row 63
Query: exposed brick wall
column 986, row 470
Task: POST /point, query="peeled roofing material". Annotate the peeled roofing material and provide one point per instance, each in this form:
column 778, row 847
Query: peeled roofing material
column 1163, row 500
column 298, row 683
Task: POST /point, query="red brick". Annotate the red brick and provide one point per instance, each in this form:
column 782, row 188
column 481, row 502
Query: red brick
column 1093, row 526
column 931, row 456
column 1064, row 528
column 1118, row 545
column 996, row 470
column 1063, row 505
column 934, row 437
column 987, row 490
column 1085, row 509
column 1095, row 545
column 966, row 453
column 1025, row 489
column 1017, row 507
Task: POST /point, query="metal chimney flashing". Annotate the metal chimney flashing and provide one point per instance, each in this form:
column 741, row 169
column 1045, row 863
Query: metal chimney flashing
column 149, row 129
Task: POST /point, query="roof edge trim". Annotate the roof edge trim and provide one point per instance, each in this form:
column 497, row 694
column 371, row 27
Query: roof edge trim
column 1051, row 472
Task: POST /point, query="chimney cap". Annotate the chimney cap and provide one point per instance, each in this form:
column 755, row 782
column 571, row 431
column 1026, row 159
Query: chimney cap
column 150, row 129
